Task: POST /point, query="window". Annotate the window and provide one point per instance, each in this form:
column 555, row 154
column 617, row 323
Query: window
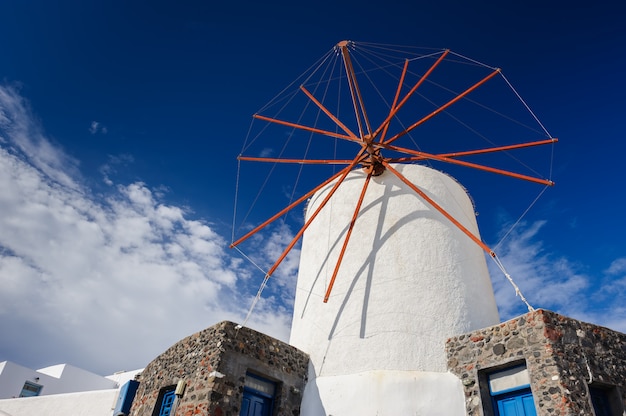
column 125, row 398
column 258, row 396
column 30, row 389
column 510, row 392
column 605, row 400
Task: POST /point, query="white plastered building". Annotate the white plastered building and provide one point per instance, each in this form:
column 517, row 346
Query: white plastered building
column 60, row 389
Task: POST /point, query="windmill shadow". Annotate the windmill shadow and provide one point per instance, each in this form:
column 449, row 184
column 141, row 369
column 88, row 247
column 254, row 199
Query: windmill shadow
column 366, row 269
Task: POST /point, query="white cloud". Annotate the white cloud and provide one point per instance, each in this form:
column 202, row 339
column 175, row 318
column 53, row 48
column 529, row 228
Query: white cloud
column 617, row 267
column 545, row 281
column 96, row 127
column 266, row 152
column 24, row 137
column 556, row 283
column 103, row 283
column 110, row 167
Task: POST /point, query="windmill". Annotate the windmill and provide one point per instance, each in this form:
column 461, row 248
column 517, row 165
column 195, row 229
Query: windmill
column 392, row 262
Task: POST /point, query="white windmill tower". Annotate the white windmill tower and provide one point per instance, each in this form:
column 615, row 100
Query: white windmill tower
column 391, row 263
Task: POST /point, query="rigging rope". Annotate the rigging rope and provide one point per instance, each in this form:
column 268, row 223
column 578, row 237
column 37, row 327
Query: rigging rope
column 259, row 292
column 324, row 59
column 525, row 105
column 472, row 60
column 311, row 136
column 319, row 63
column 256, row 299
column 520, row 218
column 518, row 292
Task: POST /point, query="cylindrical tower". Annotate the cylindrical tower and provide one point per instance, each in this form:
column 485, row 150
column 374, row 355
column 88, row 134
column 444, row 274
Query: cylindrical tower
column 409, row 280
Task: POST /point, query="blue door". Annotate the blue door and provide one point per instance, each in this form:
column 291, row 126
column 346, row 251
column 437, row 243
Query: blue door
column 515, row 403
column 255, row 405
column 258, row 396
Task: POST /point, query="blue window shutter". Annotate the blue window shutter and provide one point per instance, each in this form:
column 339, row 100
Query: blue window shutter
column 168, row 402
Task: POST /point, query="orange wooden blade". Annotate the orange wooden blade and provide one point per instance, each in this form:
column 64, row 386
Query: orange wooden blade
column 296, row 161
column 478, row 151
column 394, row 110
column 357, row 209
column 307, row 128
column 328, row 113
column 385, row 124
column 293, row 242
column 289, row 207
column 443, row 107
column 470, row 165
column 439, row 208
column 357, row 99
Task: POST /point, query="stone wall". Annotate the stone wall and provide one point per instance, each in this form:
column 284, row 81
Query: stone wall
column 213, row 364
column 563, row 356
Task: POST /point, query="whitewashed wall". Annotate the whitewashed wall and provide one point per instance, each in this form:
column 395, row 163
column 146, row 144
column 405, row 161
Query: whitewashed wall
column 67, row 390
column 90, row 403
column 61, row 378
column 385, row 393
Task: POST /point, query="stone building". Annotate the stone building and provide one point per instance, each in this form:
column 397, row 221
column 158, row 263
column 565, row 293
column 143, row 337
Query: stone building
column 223, row 368
column 562, row 366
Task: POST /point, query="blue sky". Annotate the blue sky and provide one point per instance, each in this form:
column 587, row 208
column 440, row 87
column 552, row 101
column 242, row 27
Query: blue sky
column 120, row 124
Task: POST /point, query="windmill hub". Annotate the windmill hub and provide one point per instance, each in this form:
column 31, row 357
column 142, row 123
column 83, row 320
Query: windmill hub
column 374, row 164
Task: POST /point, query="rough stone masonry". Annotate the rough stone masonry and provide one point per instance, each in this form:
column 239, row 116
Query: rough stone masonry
column 213, row 364
column 563, row 357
